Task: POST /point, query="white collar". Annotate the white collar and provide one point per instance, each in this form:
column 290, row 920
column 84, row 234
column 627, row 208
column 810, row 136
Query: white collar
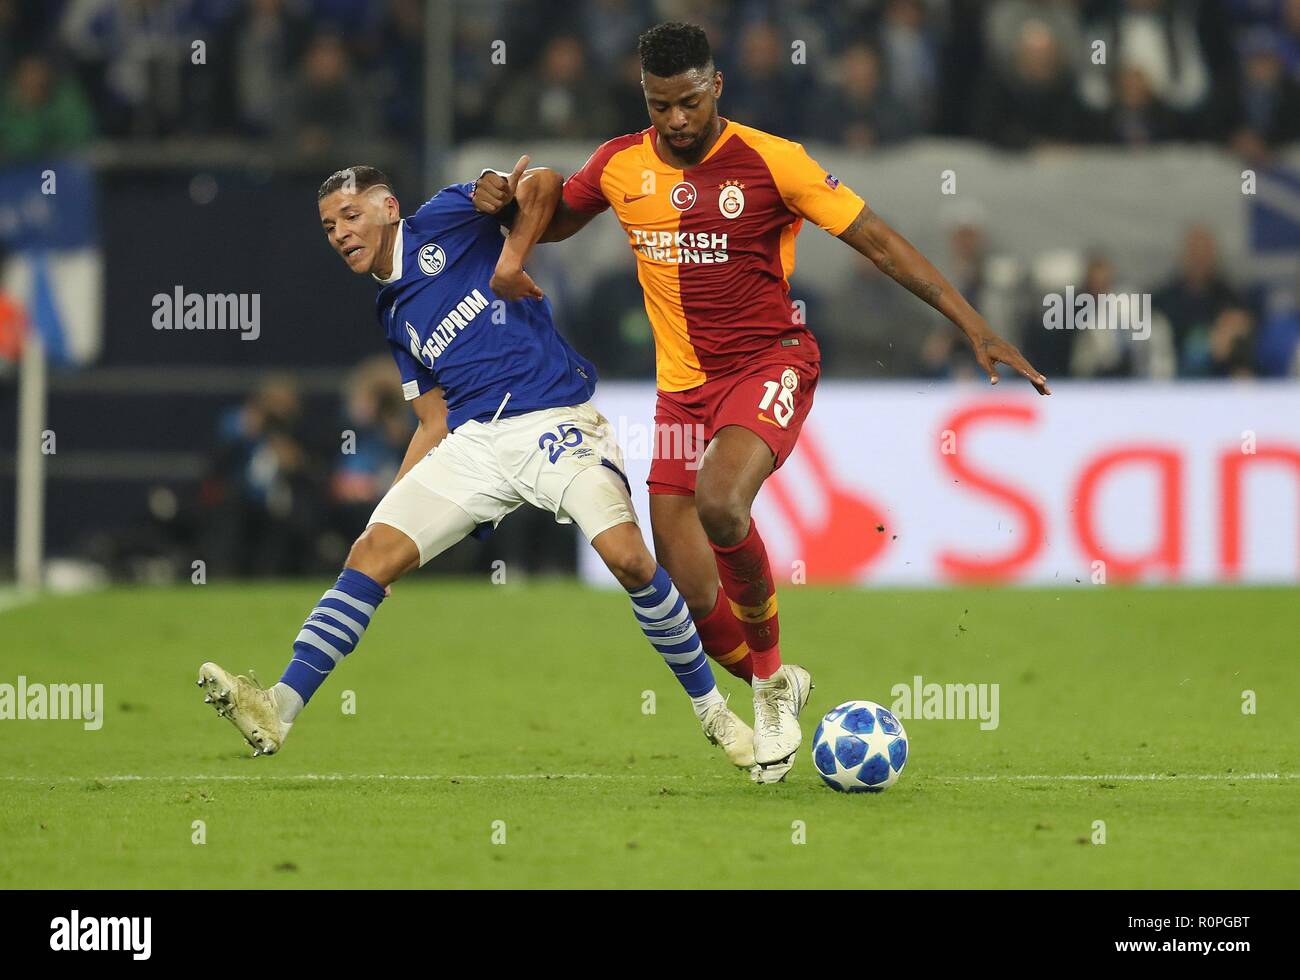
column 397, row 257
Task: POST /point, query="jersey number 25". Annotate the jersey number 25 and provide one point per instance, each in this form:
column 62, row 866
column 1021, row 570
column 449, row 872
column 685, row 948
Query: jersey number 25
column 556, row 443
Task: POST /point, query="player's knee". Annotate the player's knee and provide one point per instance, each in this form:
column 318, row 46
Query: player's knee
column 633, row 567
column 723, row 514
column 383, row 553
column 366, row 554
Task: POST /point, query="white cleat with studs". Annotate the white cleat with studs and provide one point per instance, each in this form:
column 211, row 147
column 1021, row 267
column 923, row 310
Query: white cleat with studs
column 249, row 707
column 724, row 729
column 777, row 735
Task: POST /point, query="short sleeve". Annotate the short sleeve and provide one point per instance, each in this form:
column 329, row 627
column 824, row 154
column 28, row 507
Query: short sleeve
column 416, row 378
column 809, row 191
column 453, row 203
column 582, row 190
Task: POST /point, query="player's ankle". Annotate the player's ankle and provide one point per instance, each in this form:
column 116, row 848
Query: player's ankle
column 706, row 701
column 288, row 702
column 765, row 664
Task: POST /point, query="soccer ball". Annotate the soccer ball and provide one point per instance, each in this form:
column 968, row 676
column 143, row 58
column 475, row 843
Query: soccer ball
column 859, row 747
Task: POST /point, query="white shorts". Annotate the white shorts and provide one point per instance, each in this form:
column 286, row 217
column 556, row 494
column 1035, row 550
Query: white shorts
column 564, row 460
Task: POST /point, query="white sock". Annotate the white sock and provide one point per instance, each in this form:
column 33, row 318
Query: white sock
column 704, row 702
column 288, row 701
column 760, row 683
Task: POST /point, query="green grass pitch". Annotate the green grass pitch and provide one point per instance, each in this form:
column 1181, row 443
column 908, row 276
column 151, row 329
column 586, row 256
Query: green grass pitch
column 477, row 704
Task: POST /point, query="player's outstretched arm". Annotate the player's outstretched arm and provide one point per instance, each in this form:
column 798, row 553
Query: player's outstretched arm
column 431, row 410
column 899, row 259
column 495, row 193
column 536, row 195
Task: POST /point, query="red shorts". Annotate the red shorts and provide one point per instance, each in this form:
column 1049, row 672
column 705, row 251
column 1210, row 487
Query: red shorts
column 770, row 397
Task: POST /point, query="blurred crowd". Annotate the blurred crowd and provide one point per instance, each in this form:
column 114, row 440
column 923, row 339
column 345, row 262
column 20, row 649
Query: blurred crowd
column 1019, row 74
column 863, row 73
column 291, row 481
column 1195, row 321
column 276, row 483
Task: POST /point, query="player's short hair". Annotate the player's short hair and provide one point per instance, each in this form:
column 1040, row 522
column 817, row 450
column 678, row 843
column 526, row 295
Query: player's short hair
column 673, row 48
column 360, row 178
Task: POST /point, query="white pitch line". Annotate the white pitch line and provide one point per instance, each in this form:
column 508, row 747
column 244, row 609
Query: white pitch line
column 1152, row 777
column 333, row 777
column 329, row 777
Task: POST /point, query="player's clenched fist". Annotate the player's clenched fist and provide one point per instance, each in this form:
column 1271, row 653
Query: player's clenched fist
column 493, row 191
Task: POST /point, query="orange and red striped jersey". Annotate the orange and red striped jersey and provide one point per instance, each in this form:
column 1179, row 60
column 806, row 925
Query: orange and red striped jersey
column 714, row 243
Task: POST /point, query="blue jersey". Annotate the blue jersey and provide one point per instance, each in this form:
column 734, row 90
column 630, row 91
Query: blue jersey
column 448, row 330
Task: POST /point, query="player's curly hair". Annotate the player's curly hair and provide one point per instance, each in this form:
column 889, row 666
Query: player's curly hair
column 672, row 48
column 359, row 178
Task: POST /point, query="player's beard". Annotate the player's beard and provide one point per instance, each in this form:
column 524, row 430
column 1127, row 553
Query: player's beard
column 693, row 151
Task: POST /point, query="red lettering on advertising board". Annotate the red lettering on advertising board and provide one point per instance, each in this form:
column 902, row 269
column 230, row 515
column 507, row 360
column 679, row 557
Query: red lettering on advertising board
column 1167, row 553
column 1232, row 465
column 1026, row 516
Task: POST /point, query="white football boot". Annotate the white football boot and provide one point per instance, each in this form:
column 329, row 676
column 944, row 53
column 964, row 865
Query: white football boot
column 250, row 708
column 724, row 728
column 776, row 722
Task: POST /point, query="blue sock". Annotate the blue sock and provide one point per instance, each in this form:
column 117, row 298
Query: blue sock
column 666, row 622
column 332, row 631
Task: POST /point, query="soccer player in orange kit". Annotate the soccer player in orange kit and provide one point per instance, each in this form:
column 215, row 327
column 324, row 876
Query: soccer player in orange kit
column 711, row 209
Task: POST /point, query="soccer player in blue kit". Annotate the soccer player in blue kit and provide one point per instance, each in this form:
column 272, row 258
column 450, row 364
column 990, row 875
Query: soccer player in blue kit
column 505, row 418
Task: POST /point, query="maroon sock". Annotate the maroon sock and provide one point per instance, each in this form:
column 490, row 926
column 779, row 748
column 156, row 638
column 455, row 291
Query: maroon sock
column 747, row 580
column 724, row 640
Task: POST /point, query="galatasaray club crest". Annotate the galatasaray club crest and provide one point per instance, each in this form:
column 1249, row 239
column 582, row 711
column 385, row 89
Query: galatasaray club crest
column 731, row 202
